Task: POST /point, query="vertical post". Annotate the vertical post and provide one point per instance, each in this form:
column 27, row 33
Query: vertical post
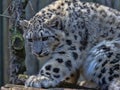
column 16, row 46
column 1, row 46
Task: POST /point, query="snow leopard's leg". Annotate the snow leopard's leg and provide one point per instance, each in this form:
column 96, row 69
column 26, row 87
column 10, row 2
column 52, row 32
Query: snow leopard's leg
column 103, row 64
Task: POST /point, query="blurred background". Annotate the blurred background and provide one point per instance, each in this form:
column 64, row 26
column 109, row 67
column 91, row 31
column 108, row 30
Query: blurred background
column 32, row 7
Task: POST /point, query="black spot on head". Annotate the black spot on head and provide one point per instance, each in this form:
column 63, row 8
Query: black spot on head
column 48, row 67
column 59, row 60
column 104, row 63
column 56, row 76
column 69, row 42
column 109, row 54
column 68, row 64
column 56, row 70
column 75, row 55
column 103, row 70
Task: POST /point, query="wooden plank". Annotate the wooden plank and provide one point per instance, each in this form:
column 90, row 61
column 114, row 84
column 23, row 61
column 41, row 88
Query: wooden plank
column 20, row 87
column 62, row 86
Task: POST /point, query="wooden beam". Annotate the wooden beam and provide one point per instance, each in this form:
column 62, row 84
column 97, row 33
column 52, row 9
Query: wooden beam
column 21, row 87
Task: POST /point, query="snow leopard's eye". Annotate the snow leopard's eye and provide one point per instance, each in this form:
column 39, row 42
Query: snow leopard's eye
column 44, row 38
column 30, row 40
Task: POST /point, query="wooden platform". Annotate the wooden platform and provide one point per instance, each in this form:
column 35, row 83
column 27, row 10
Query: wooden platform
column 21, row 87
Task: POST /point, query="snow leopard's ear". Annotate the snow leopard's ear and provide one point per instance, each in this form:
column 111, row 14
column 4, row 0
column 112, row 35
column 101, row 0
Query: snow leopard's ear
column 24, row 25
column 55, row 22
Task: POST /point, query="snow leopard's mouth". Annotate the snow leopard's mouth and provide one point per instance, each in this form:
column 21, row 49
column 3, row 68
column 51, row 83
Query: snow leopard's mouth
column 42, row 54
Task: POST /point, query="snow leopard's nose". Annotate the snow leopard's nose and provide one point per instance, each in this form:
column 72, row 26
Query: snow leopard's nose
column 37, row 53
column 41, row 53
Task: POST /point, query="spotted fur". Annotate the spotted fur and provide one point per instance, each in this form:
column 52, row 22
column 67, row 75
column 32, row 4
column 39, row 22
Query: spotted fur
column 71, row 35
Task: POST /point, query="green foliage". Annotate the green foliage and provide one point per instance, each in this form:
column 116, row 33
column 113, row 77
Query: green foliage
column 17, row 40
